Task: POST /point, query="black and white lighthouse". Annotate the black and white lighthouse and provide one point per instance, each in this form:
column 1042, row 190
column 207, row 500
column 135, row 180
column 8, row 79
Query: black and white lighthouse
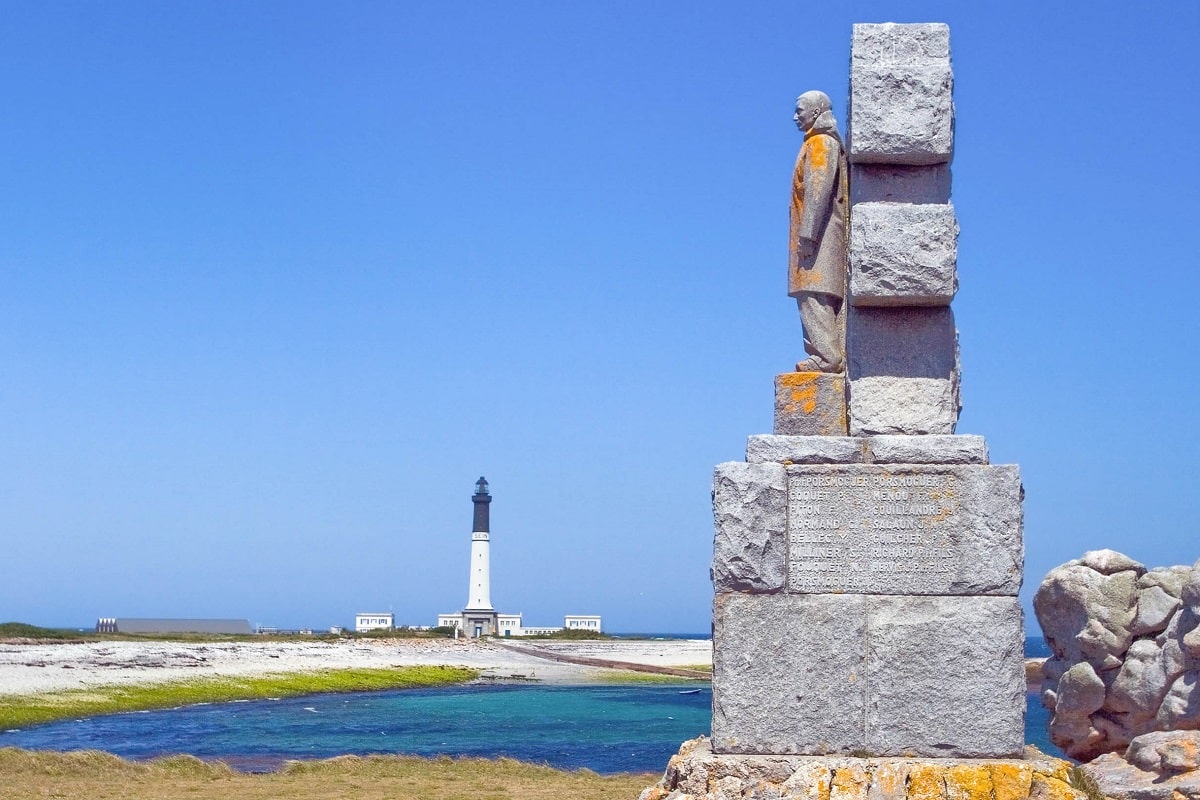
column 479, row 615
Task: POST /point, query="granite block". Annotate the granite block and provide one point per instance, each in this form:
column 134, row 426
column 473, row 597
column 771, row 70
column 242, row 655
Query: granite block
column 901, row 342
column 810, row 404
column 902, row 254
column 946, row 677
column 933, row 449
column 805, row 449
column 896, row 183
column 905, row 529
column 750, row 515
column 901, row 94
column 912, row 406
column 903, row 371
column 788, row 673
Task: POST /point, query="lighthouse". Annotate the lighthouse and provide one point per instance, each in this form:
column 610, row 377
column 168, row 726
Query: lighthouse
column 479, row 616
column 479, row 594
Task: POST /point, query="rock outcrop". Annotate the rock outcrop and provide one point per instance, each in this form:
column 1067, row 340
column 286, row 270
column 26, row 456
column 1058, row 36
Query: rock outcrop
column 696, row 773
column 1156, row 766
column 1126, row 644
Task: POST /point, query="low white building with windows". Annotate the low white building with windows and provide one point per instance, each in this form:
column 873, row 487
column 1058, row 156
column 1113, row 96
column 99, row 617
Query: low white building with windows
column 512, row 625
column 374, row 621
column 578, row 622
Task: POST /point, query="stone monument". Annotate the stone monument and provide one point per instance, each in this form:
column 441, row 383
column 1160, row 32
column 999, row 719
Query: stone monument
column 866, row 560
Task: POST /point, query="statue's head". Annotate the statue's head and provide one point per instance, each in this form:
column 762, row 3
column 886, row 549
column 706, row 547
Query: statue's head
column 809, row 106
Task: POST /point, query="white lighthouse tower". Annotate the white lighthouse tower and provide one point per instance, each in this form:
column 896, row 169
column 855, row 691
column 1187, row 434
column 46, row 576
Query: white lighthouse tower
column 479, row 616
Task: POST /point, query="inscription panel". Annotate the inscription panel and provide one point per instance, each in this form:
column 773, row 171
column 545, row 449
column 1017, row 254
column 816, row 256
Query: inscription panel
column 871, row 529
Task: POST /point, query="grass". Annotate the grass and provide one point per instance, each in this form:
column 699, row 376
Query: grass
column 19, row 711
column 26, row 775
column 21, row 630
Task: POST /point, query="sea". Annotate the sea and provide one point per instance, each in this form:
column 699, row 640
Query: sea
column 608, row 729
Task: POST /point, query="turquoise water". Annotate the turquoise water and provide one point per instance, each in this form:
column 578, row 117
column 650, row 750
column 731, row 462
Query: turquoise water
column 608, row 729
column 604, row 728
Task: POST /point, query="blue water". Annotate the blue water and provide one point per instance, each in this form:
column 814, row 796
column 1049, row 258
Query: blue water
column 604, row 728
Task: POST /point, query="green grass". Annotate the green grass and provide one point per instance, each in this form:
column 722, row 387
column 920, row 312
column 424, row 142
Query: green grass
column 21, row 630
column 630, row 677
column 18, row 711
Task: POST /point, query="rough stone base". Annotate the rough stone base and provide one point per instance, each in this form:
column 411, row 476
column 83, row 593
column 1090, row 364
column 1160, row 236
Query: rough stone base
column 696, row 773
column 810, row 404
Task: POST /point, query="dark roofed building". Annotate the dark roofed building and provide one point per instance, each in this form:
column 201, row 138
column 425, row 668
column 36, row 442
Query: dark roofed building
column 136, row 625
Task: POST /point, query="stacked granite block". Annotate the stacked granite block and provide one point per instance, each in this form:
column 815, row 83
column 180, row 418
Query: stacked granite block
column 901, row 343
column 866, row 584
column 866, row 599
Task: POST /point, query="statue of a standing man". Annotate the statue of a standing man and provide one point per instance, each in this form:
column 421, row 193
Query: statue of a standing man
column 820, row 205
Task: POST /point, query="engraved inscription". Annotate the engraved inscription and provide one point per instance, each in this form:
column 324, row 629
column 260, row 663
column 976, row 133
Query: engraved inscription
column 854, row 532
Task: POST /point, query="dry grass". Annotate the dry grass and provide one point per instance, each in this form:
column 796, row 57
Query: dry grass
column 26, row 775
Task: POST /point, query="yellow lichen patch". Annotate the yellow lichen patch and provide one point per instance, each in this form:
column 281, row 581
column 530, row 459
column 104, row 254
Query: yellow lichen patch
column 1045, row 788
column 802, row 278
column 968, row 782
column 1011, row 780
column 925, row 783
column 1059, row 770
column 811, row 782
column 850, row 783
column 889, row 781
column 804, row 391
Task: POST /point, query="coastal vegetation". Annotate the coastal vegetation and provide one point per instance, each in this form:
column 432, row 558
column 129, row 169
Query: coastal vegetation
column 26, row 775
column 18, row 711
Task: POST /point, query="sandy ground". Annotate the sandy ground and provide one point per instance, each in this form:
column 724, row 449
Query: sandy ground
column 33, row 668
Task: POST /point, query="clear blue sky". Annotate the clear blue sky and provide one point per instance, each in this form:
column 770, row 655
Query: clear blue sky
column 279, row 281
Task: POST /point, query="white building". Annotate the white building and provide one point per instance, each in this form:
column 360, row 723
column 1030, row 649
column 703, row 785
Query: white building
column 582, row 623
column 374, row 621
column 480, row 618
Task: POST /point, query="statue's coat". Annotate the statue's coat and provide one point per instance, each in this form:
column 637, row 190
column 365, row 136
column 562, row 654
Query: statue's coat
column 820, row 206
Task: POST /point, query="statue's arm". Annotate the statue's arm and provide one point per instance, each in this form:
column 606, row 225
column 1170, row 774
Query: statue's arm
column 820, row 184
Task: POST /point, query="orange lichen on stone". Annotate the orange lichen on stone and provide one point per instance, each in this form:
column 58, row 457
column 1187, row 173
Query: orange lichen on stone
column 925, row 782
column 812, row 781
column 803, row 387
column 818, row 152
column 1045, row 788
column 850, row 782
column 968, row 782
column 889, row 781
column 1011, row 780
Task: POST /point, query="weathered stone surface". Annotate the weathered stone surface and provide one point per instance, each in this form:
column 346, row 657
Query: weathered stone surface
column 1141, row 683
column 777, row 661
column 901, row 104
column 882, row 449
column 810, row 404
column 1156, row 766
column 903, row 254
column 697, row 773
column 903, row 371
column 1154, row 610
column 945, row 677
column 912, row 406
column 1134, row 630
column 905, row 529
column 1180, row 709
column 1085, row 614
column 750, row 514
column 805, row 449
column 1110, row 562
column 891, row 183
column 1165, row 751
column 934, row 449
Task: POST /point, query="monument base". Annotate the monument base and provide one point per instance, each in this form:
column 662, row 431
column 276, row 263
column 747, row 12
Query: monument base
column 810, row 404
column 696, row 773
